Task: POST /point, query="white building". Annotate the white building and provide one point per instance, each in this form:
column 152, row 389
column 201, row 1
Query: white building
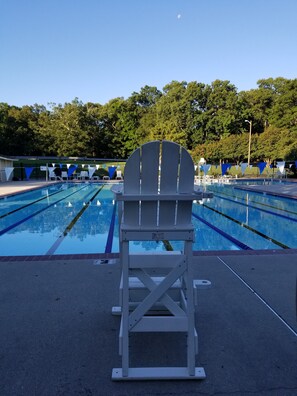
column 6, row 169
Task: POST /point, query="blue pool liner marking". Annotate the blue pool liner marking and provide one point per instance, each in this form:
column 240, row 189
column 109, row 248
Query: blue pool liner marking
column 108, row 246
column 224, row 234
column 35, row 213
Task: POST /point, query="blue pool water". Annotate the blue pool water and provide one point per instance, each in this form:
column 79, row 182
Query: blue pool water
column 82, row 218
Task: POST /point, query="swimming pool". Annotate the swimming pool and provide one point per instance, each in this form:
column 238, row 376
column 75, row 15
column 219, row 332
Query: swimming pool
column 75, row 218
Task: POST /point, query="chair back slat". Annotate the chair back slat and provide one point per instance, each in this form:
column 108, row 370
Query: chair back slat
column 132, row 186
column 168, row 182
column 149, row 182
column 158, row 169
column 132, row 174
column 185, row 185
column 169, row 167
column 187, row 173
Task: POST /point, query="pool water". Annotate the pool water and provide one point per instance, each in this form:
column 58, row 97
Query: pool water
column 72, row 218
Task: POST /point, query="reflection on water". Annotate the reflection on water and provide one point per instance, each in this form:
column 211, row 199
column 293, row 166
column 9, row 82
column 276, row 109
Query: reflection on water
column 77, row 218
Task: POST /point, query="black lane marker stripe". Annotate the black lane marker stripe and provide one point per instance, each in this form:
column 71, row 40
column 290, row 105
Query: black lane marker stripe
column 58, row 242
column 29, row 204
column 223, row 233
column 168, row 246
column 262, row 210
column 249, row 228
column 35, row 213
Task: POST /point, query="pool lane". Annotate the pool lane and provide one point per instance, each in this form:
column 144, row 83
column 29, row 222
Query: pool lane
column 229, row 237
column 82, row 218
column 242, row 224
column 35, row 232
column 68, row 228
column 17, row 206
column 271, row 225
column 286, row 208
column 31, row 213
column 233, row 223
column 93, row 230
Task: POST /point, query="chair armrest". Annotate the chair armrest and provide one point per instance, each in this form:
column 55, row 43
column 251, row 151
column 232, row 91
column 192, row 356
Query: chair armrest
column 117, row 190
column 120, row 196
column 202, row 194
column 155, row 197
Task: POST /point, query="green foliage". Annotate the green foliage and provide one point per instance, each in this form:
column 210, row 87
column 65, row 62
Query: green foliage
column 276, row 143
column 209, row 120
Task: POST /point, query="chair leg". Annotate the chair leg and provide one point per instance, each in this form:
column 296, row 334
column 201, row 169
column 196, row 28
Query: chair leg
column 125, row 309
column 190, row 311
column 158, row 292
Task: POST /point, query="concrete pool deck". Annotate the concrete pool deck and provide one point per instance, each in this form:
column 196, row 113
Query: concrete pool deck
column 287, row 189
column 14, row 187
column 58, row 336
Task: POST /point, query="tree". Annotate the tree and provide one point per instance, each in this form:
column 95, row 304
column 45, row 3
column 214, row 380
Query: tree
column 256, row 106
column 222, row 111
column 276, row 143
column 196, row 95
column 284, row 111
column 71, row 129
column 147, row 97
column 119, row 121
column 16, row 134
column 170, row 114
column 204, row 118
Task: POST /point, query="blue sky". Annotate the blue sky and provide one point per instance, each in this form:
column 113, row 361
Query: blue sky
column 96, row 50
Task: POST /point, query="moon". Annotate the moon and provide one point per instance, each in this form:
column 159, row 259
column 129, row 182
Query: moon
column 178, row 16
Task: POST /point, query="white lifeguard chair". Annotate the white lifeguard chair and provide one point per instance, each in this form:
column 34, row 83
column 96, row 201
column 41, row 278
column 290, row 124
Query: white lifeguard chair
column 157, row 288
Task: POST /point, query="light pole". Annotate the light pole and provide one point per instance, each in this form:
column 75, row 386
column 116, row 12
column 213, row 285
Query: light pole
column 200, row 163
column 250, row 139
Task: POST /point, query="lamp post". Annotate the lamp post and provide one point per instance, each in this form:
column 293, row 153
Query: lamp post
column 200, row 163
column 250, row 139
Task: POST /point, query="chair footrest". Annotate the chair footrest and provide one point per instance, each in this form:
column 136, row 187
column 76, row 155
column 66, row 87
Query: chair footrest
column 201, row 284
column 157, row 309
column 116, row 310
column 135, row 283
column 157, row 373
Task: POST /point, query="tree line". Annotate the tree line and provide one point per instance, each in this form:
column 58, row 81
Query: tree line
column 210, row 120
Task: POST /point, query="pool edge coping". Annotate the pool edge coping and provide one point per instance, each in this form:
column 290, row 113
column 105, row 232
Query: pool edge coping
column 112, row 256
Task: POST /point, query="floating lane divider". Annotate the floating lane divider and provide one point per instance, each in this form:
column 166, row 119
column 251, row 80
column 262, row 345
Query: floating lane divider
column 36, row 213
column 58, row 242
column 223, row 233
column 29, row 204
column 261, row 210
column 249, row 228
